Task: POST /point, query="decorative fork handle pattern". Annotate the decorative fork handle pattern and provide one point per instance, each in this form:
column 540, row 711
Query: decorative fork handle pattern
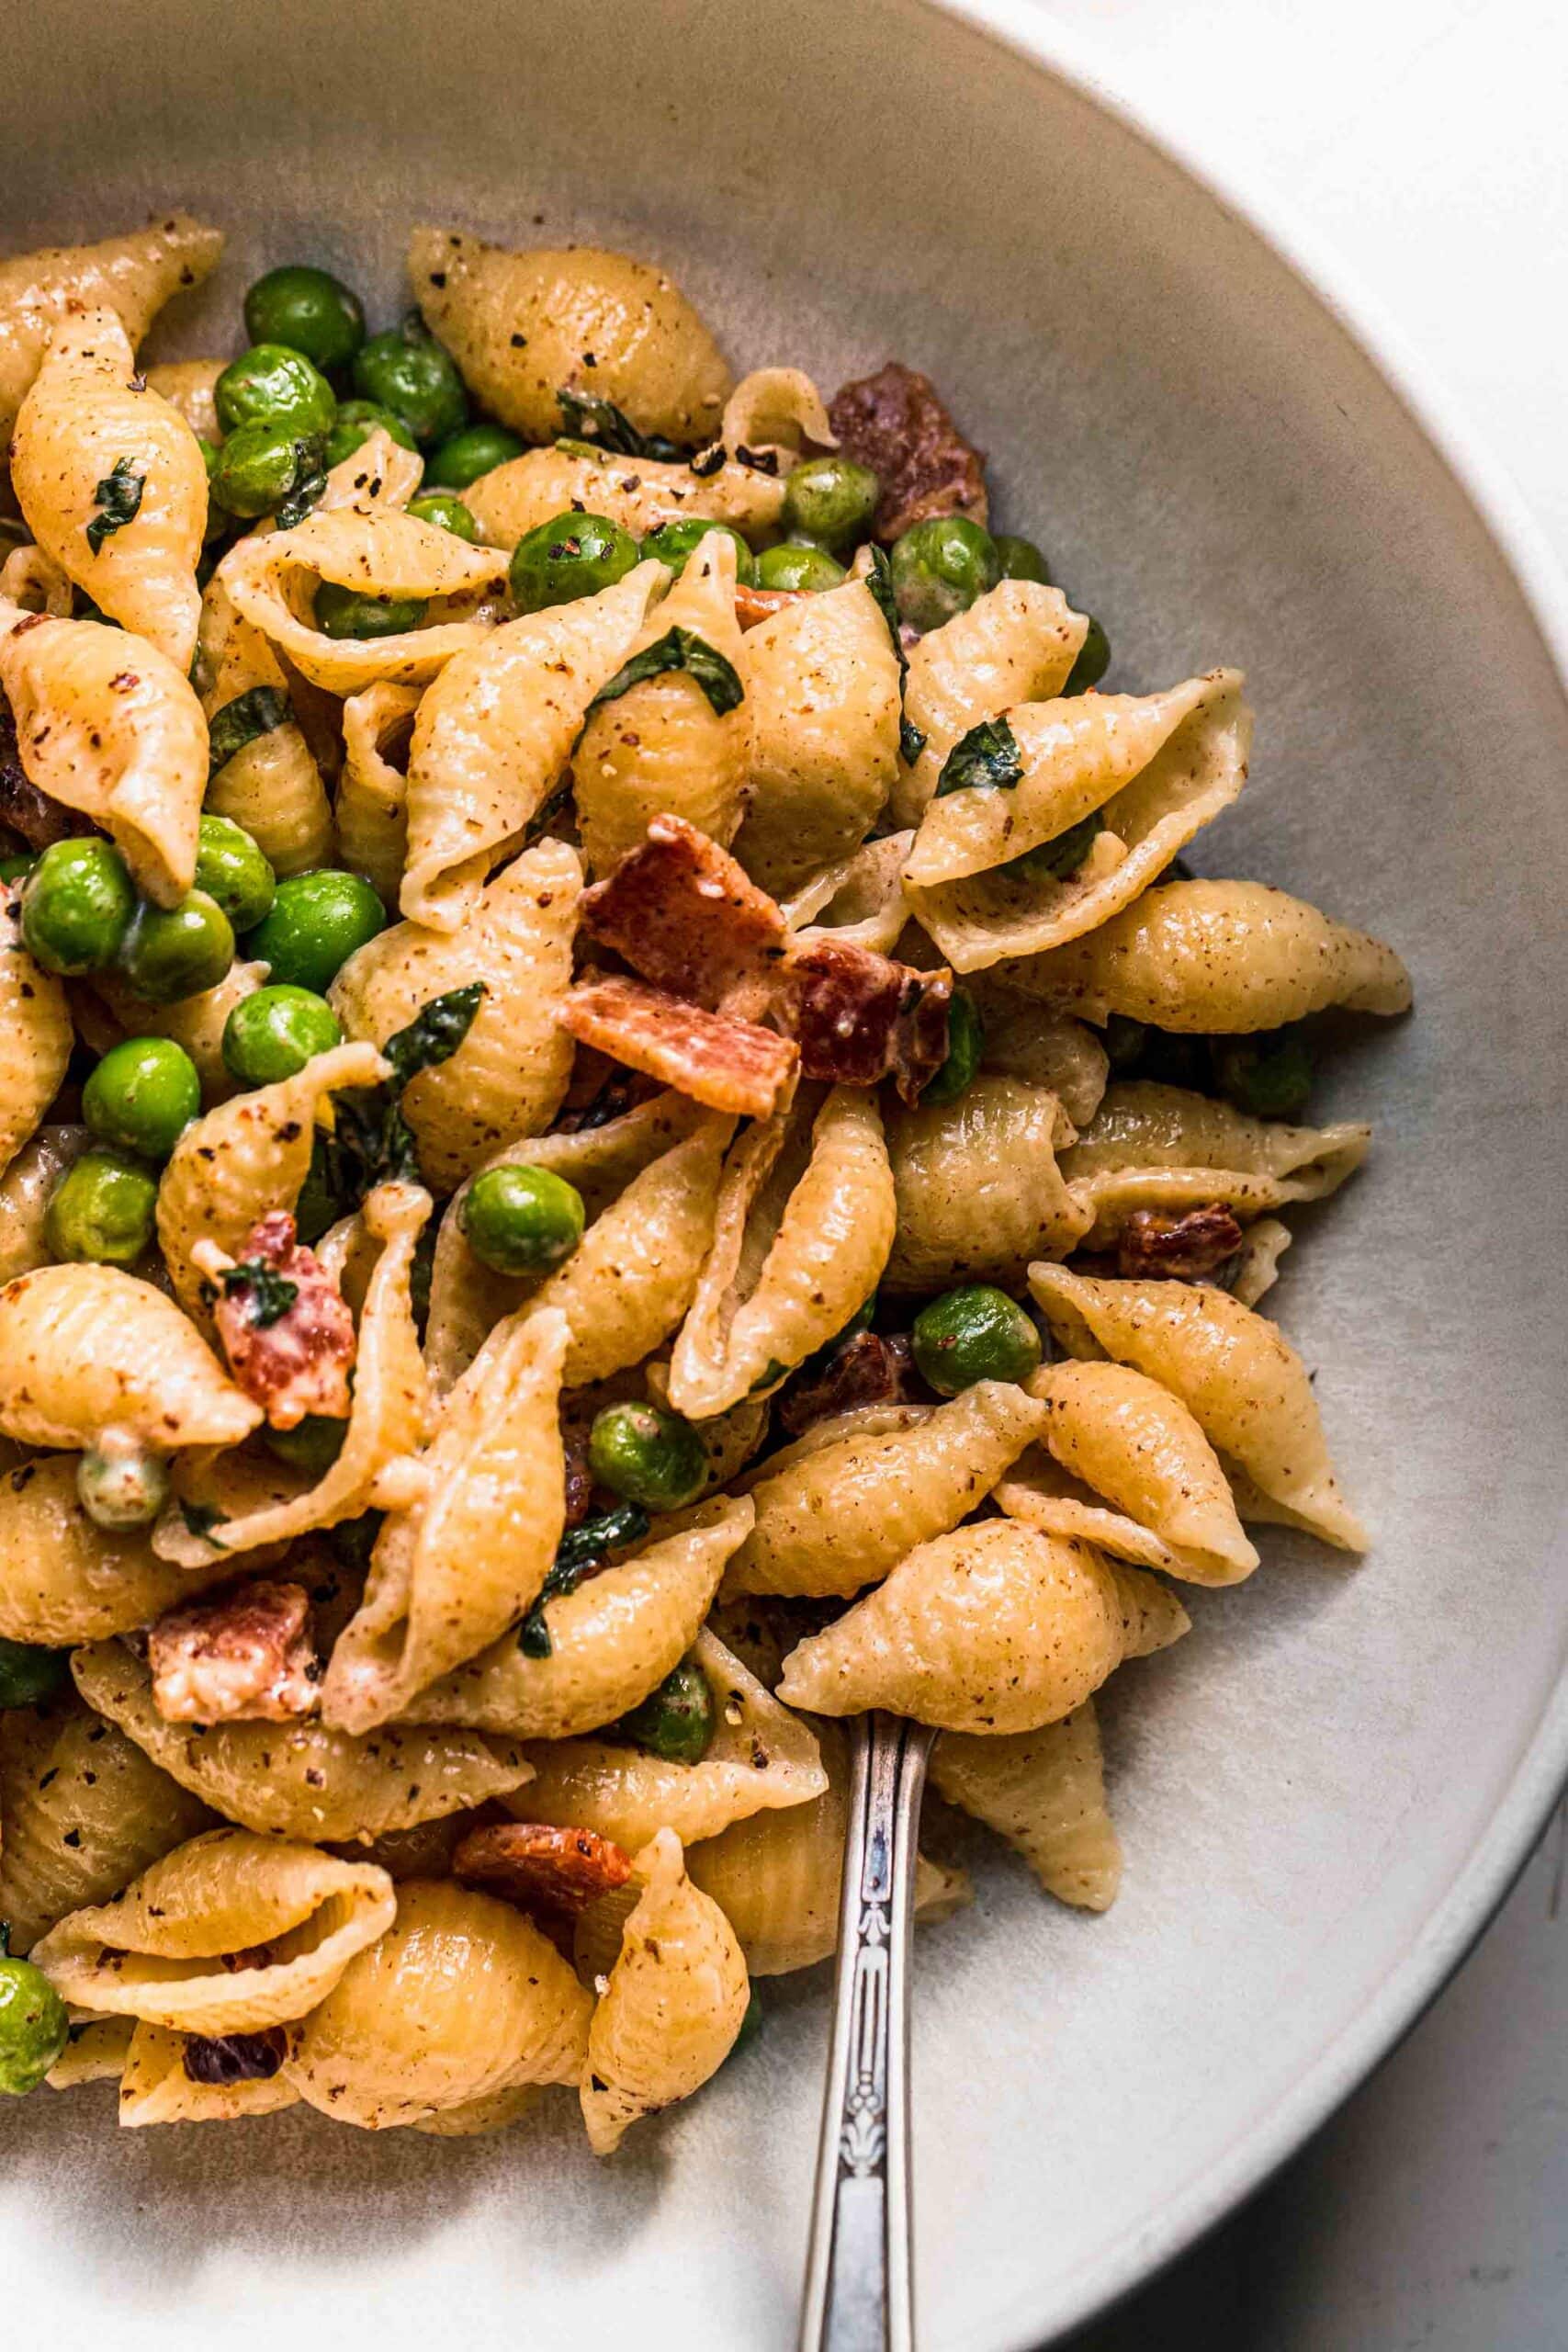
column 857, row 2296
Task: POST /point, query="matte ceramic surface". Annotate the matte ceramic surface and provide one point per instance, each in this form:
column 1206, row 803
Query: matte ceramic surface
column 1322, row 1790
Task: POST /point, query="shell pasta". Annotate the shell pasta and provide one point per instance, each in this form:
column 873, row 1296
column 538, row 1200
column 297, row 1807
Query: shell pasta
column 626, row 1136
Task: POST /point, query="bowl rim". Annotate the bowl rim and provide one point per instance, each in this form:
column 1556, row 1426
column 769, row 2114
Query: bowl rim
column 1484, row 1879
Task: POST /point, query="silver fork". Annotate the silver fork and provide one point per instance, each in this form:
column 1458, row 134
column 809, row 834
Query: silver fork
column 857, row 2295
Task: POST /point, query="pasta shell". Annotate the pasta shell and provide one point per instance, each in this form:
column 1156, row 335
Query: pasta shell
column 1041, row 1048
column 63, row 1579
column 195, row 1023
column 522, row 325
column 1160, row 1147
column 35, row 1037
column 761, row 1758
column 82, row 1811
column 833, row 1518
column 1045, row 1793
column 372, row 794
column 979, row 1186
column 111, row 727
column 1229, row 957
column 460, row 1997
column 639, row 493
column 778, row 410
column 612, row 1641
column 25, row 1190
column 89, row 418
column 299, row 1780
column 510, row 1073
column 1234, row 1372
column 1015, row 644
column 179, row 1948
column 858, row 900
column 822, row 702
column 661, row 748
column 155, row 2088
column 135, row 273
column 190, row 386
column 493, row 736
column 993, row 1628
column 85, row 1348
column 676, row 2000
column 95, row 2053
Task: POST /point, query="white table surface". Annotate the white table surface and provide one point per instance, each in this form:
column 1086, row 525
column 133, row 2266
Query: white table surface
column 1427, row 142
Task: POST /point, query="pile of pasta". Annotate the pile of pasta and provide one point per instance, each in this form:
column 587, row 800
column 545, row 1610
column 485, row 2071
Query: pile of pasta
column 437, row 1875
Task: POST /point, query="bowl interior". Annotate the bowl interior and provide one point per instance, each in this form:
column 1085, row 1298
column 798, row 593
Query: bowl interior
column 1309, row 1788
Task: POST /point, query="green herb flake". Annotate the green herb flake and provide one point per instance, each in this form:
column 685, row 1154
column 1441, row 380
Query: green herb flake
column 603, row 426
column 242, row 721
column 988, row 759
column 677, row 648
column 580, row 1550
column 1060, row 857
column 309, row 481
column 911, row 741
column 271, row 1294
column 118, row 497
column 203, row 1519
column 371, row 1142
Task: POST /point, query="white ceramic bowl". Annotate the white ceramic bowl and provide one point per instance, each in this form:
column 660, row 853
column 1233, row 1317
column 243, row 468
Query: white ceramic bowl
column 1324, row 1790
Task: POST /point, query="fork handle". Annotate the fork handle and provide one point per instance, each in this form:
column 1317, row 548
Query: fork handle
column 857, row 2296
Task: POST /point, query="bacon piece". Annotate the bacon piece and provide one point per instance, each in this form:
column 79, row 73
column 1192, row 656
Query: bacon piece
column 285, row 1327
column 754, row 604
column 685, row 915
column 859, row 1017
column 1177, row 1249
column 540, row 1867
column 896, row 423
column 224, row 2058
column 867, row 1370
column 244, row 1656
column 730, row 1065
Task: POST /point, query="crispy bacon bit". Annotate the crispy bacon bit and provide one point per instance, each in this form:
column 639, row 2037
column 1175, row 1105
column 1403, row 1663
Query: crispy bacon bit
column 683, row 913
column 755, row 604
column 542, row 1868
column 227, row 2058
column 867, row 1370
column 729, row 1065
column 578, row 1478
column 36, row 816
column 859, row 1017
column 285, row 1327
column 1177, row 1249
column 244, row 1656
column 896, row 423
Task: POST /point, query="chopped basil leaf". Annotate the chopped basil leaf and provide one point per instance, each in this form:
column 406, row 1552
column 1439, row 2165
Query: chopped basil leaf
column 911, row 741
column 588, row 418
column 772, row 1372
column 434, row 1033
column 309, row 481
column 242, row 721
column 579, row 1550
column 987, row 757
column 1060, row 857
column 118, row 496
column 879, row 580
column 677, row 648
column 203, row 1519
column 371, row 1142
column 272, row 1294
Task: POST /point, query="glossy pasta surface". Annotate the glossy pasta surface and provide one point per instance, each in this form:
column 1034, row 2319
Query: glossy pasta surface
column 624, row 1133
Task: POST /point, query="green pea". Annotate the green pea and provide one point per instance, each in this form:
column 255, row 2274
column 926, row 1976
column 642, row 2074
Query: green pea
column 29, row 1675
column 468, row 455
column 677, row 1721
column 1094, row 660
column 1173, row 1060
column 1123, row 1039
column 1021, row 558
column 975, row 1333
column 17, row 867
column 259, row 464
column 142, row 1096
column 316, row 922
column 275, row 1032
column 449, row 513
column 939, row 567
column 269, row 384
column 521, row 1221
column 313, row 1444
column 175, row 952
column 673, row 542
column 308, row 309
column 409, row 372
column 832, row 499
column 229, row 868
column 101, row 1211
column 1056, row 859
column 647, row 1456
column 77, row 906
column 569, row 556
column 120, row 1482
column 344, row 611
column 34, row 2027
column 792, row 565
column 965, row 1043
column 1271, row 1078
column 355, row 421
